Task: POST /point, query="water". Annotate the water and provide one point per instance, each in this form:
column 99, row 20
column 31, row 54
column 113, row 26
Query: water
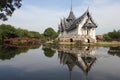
column 64, row 63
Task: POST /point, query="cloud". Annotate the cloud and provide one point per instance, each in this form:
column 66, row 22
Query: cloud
column 106, row 16
column 100, row 1
column 36, row 18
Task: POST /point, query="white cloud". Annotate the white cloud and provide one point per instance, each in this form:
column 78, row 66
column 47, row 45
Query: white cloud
column 100, row 1
column 97, row 2
column 35, row 18
column 107, row 16
column 38, row 19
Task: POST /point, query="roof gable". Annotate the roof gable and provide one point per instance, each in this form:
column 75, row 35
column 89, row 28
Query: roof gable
column 72, row 23
column 90, row 23
column 71, row 16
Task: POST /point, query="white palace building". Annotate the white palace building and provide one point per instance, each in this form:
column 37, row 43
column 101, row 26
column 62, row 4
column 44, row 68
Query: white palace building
column 73, row 29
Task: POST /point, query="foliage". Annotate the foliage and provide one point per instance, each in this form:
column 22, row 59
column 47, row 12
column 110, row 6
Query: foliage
column 107, row 37
column 115, row 35
column 26, row 33
column 34, row 34
column 22, row 32
column 50, row 34
column 0, row 37
column 7, row 7
column 48, row 52
column 43, row 40
column 8, row 31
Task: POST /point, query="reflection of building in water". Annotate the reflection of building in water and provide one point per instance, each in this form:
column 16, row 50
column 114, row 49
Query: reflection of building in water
column 83, row 58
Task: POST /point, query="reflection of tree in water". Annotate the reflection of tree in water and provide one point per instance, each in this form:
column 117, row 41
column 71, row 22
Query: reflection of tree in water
column 114, row 51
column 83, row 58
column 48, row 52
column 7, row 52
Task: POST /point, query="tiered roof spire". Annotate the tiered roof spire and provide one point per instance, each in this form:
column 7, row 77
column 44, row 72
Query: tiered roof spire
column 71, row 16
column 71, row 5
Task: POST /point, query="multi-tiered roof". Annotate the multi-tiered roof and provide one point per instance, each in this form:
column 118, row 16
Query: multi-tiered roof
column 72, row 22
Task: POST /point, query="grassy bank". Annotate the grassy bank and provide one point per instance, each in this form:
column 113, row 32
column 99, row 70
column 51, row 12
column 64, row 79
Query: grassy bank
column 86, row 44
column 103, row 44
column 67, row 43
column 94, row 44
column 107, row 44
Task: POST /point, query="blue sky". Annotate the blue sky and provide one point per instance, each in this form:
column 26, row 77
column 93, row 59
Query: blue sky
column 37, row 15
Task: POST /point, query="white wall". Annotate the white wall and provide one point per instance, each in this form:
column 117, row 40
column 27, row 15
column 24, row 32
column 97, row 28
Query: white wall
column 81, row 25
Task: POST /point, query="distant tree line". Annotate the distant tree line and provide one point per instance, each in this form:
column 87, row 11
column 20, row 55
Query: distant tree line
column 8, row 31
column 112, row 36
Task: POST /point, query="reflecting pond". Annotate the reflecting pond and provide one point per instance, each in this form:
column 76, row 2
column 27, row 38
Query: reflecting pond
column 64, row 63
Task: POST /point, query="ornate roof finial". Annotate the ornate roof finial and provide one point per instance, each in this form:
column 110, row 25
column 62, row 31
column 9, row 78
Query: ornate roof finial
column 71, row 16
column 71, row 5
column 88, row 9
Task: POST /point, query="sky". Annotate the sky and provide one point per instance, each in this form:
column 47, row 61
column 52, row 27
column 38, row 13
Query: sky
column 37, row 15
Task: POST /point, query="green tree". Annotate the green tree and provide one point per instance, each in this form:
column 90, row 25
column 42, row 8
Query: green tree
column 107, row 37
column 34, row 34
column 26, row 33
column 50, row 34
column 114, row 35
column 7, row 7
column 22, row 32
column 7, row 31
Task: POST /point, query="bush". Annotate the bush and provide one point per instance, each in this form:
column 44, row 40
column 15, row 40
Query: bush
column 112, row 36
